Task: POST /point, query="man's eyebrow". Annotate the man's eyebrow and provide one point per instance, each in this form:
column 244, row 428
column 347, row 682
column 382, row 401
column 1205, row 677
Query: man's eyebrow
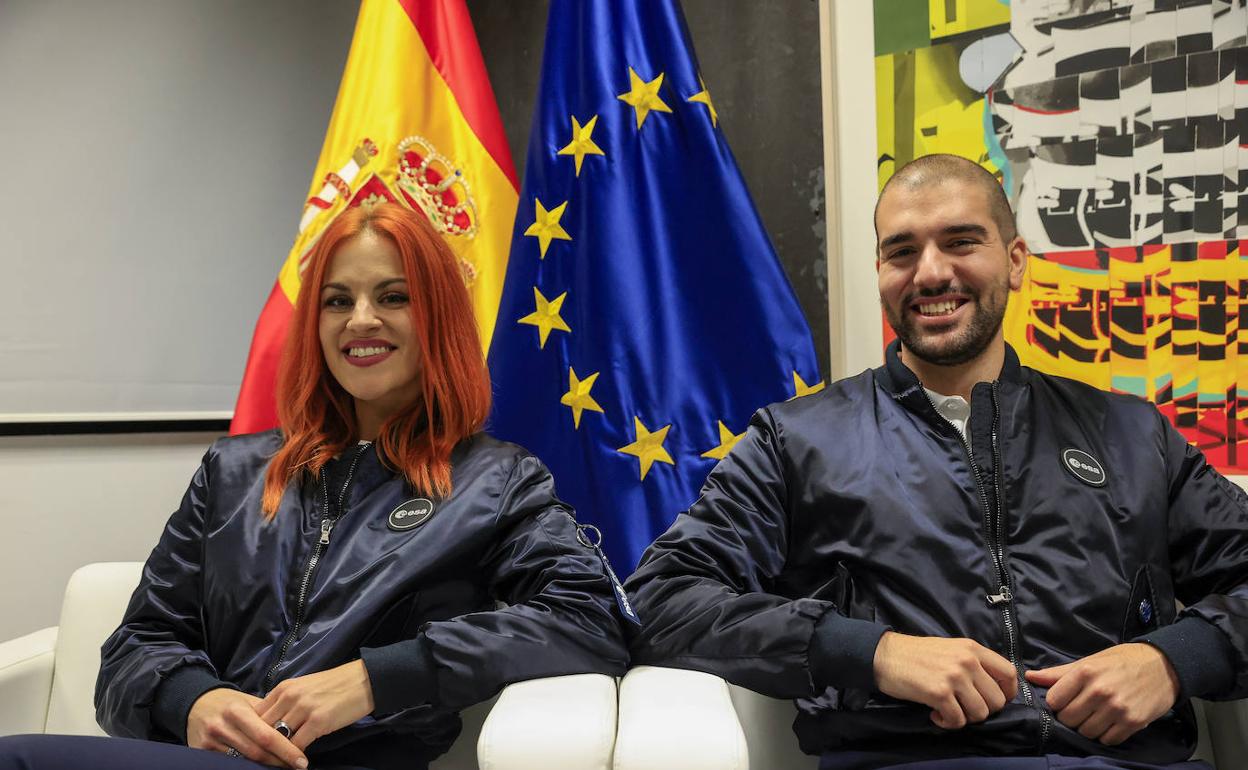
column 893, row 240
column 958, row 229
column 971, row 229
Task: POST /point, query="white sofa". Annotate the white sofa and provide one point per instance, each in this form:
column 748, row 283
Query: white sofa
column 672, row 719
column 47, row 679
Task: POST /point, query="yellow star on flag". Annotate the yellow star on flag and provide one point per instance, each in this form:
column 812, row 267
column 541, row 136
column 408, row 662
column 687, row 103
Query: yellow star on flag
column 644, row 96
column 582, row 143
column 546, row 316
column 648, row 447
column 578, row 396
column 704, row 97
column 546, row 227
column 727, row 440
column 802, row 388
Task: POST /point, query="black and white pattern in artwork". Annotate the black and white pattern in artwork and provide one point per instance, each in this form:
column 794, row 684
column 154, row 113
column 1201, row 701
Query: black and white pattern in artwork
column 1126, row 123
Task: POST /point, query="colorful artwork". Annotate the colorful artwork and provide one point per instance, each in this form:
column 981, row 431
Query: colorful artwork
column 1119, row 129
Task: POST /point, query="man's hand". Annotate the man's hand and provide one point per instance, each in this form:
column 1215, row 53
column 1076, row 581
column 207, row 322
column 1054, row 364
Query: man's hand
column 1110, row 696
column 960, row 679
column 225, row 719
column 317, row 704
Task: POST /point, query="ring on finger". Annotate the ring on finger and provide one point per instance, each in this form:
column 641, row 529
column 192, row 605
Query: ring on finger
column 283, row 728
column 230, row 751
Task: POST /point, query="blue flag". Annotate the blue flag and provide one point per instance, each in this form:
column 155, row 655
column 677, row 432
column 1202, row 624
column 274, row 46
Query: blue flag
column 644, row 315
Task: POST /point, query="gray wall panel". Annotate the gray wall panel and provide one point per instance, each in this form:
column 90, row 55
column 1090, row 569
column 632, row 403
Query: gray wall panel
column 157, row 155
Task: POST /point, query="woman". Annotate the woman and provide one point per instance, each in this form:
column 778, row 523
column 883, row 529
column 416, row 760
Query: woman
column 338, row 581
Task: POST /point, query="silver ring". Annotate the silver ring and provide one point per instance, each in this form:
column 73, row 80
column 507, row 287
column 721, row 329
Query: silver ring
column 588, row 535
column 230, row 751
column 283, row 728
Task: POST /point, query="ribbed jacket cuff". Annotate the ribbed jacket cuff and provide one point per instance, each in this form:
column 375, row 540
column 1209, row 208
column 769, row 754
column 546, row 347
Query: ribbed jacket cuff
column 177, row 694
column 1200, row 654
column 402, row 675
column 842, row 652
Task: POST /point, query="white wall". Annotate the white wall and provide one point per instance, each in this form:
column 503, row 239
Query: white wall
column 66, row 501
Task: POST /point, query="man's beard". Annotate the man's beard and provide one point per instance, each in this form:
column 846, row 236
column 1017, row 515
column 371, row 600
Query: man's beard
column 968, row 344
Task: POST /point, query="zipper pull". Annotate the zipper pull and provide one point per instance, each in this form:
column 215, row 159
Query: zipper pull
column 1005, row 597
column 326, row 526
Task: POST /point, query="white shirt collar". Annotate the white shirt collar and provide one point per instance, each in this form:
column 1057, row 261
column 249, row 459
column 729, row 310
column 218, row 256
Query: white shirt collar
column 955, row 409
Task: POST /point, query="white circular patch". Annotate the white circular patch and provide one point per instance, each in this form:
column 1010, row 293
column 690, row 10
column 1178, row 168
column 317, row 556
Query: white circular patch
column 1084, row 467
column 410, row 514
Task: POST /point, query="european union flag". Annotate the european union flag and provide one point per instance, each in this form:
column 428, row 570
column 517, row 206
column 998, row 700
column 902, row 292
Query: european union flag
column 644, row 316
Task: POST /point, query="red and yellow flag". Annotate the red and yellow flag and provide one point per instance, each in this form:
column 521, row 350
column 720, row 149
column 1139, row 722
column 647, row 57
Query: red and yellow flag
column 415, row 122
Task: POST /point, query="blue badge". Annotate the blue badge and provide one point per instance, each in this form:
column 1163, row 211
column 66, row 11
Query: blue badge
column 589, row 536
column 1146, row 611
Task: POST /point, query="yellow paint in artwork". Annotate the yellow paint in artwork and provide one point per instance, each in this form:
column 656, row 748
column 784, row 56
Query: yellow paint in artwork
column 885, row 117
column 1212, row 373
column 949, row 116
column 959, row 130
column 952, row 17
column 1171, row 353
column 1159, row 357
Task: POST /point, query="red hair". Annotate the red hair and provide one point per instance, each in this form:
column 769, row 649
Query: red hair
column 317, row 415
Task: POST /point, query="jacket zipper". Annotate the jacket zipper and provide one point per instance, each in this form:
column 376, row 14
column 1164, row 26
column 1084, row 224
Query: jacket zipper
column 327, row 525
column 1004, row 600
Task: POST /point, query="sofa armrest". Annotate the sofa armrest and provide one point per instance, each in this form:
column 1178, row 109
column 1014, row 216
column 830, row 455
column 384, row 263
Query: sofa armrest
column 1228, row 731
column 557, row 723
column 673, row 719
column 768, row 726
column 26, row 681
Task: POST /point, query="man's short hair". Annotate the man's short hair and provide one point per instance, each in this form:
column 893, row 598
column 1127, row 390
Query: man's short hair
column 933, row 169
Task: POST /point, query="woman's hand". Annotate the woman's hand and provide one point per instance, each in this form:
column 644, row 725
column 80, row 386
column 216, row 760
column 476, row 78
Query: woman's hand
column 320, row 703
column 224, row 719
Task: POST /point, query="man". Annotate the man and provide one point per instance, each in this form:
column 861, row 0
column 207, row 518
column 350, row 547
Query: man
column 953, row 555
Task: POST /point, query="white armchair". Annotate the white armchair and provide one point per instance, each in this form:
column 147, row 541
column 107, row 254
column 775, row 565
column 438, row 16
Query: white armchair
column 672, row 719
column 47, row 679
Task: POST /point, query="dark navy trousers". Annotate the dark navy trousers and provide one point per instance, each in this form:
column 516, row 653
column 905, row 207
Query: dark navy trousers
column 855, row 760
column 77, row 752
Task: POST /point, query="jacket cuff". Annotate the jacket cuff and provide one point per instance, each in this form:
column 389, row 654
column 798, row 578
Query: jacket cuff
column 1200, row 654
column 842, row 652
column 177, row 694
column 402, row 675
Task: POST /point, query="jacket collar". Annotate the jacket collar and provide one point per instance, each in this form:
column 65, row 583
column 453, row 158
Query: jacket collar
column 902, row 383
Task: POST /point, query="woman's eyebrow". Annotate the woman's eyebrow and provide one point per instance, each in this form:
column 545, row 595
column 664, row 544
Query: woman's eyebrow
column 381, row 285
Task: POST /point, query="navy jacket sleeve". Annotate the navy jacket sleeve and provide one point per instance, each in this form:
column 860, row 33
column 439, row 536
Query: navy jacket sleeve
column 702, row 589
column 1208, row 521
column 559, row 616
column 161, row 634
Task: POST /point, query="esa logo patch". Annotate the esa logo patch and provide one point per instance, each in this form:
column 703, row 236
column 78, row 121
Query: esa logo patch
column 410, row 515
column 1084, row 467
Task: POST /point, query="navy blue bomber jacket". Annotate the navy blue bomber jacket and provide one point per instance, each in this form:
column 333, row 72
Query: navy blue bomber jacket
column 1067, row 521
column 445, row 608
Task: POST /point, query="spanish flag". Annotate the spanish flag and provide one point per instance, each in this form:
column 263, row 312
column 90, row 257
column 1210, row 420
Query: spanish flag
column 415, row 122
